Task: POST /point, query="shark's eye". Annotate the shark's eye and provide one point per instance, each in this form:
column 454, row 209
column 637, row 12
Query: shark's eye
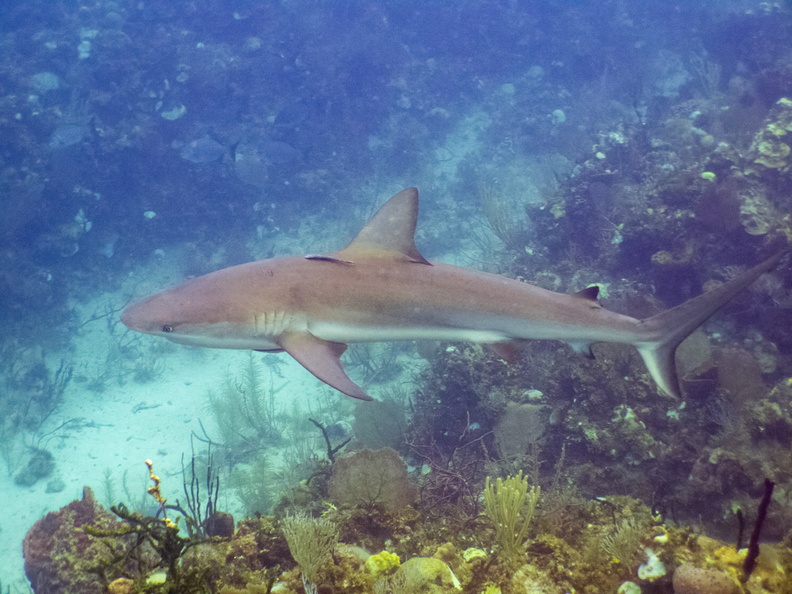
column 167, row 328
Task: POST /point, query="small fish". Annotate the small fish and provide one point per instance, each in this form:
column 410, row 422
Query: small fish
column 266, row 152
column 203, row 150
column 255, row 155
column 277, row 152
column 67, row 134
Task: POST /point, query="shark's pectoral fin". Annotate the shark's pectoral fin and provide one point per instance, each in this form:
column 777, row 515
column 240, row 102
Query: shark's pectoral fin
column 323, row 359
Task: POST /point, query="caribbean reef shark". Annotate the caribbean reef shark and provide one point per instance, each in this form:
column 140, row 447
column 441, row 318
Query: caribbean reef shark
column 380, row 288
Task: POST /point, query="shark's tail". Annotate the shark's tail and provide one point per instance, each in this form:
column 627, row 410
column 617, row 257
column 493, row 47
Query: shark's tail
column 666, row 330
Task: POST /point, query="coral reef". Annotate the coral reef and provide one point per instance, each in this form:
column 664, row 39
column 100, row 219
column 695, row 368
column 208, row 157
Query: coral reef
column 384, row 563
column 643, row 147
column 770, row 147
column 511, row 506
column 61, row 557
column 370, row 479
column 689, row 579
column 568, row 552
column 39, row 466
column 311, row 542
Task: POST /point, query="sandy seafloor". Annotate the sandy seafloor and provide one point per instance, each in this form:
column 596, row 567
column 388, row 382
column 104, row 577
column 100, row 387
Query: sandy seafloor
column 121, row 428
column 124, row 425
column 118, row 429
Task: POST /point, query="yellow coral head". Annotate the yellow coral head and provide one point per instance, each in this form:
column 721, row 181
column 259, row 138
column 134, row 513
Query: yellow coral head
column 383, row 563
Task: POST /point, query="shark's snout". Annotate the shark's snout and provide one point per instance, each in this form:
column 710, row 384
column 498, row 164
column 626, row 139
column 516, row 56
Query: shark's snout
column 142, row 316
column 130, row 317
column 158, row 314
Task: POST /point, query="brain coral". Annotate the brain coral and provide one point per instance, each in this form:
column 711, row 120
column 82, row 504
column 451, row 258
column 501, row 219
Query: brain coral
column 689, row 579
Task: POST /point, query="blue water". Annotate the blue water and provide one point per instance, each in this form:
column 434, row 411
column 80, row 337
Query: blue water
column 214, row 132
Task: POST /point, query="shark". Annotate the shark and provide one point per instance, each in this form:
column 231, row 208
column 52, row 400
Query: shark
column 380, row 288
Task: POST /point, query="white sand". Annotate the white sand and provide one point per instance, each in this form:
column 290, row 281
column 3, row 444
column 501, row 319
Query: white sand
column 118, row 430
column 129, row 422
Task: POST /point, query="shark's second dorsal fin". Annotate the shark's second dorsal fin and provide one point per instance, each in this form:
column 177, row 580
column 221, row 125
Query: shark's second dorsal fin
column 390, row 233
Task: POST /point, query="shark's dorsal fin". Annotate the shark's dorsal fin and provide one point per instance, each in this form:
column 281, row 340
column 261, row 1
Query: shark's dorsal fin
column 589, row 294
column 390, row 233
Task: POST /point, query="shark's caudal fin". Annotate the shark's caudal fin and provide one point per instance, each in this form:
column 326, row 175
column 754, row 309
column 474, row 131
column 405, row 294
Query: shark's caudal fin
column 666, row 330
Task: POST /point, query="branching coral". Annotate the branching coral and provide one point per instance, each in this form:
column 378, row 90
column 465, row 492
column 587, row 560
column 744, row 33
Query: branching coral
column 511, row 506
column 311, row 542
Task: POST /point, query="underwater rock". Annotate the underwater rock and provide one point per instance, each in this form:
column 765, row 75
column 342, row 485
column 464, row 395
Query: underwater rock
column 219, row 524
column 632, row 436
column 519, row 426
column 721, row 473
column 59, row 554
column 689, row 579
column 369, row 478
column 770, row 418
column 55, row 486
column 422, row 574
column 39, row 466
column 770, row 147
column 174, row 113
column 43, row 82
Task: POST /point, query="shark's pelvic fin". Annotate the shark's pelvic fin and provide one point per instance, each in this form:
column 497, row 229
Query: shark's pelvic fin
column 323, row 359
column 668, row 329
column 389, row 234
